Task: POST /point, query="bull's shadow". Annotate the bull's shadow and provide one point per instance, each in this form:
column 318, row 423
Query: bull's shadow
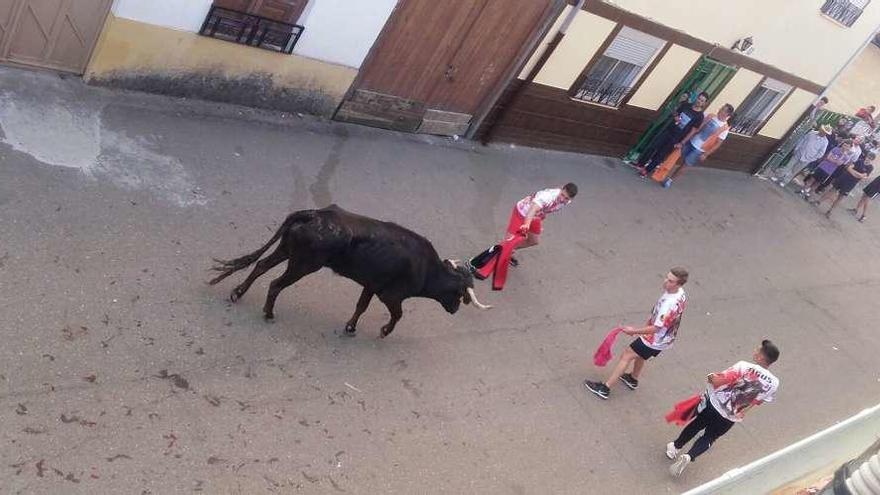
column 387, row 260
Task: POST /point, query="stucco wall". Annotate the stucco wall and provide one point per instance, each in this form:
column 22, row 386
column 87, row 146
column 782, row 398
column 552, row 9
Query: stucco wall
column 336, row 31
column 788, row 114
column 543, row 45
column 738, row 88
column 859, row 85
column 148, row 57
column 585, row 35
column 663, row 79
column 790, row 34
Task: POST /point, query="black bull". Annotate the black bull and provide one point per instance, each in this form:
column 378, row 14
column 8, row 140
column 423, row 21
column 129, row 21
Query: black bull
column 389, row 261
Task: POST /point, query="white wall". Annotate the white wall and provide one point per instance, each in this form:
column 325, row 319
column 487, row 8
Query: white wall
column 342, row 31
column 336, row 31
column 185, row 15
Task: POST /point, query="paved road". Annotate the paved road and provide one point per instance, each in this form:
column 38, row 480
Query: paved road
column 122, row 372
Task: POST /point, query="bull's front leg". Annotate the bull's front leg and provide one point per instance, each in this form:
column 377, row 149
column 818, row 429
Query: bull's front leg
column 362, row 304
column 396, row 313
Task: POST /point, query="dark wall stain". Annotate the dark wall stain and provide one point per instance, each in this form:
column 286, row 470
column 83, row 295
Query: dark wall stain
column 254, row 90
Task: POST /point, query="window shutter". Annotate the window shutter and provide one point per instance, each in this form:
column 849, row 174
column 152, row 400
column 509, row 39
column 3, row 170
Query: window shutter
column 779, row 87
column 277, row 10
column 634, row 47
column 281, row 10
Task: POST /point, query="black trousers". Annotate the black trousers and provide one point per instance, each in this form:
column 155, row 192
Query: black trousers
column 709, row 420
column 660, row 148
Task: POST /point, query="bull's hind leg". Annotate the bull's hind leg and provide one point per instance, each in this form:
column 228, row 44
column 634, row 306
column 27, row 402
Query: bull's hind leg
column 296, row 269
column 262, row 266
column 362, row 304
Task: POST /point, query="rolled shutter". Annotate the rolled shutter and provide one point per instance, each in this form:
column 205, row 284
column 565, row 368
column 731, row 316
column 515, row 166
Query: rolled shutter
column 634, row 47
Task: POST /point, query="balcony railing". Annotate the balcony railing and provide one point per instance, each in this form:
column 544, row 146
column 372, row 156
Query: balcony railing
column 842, row 11
column 602, row 92
column 252, row 30
column 745, row 126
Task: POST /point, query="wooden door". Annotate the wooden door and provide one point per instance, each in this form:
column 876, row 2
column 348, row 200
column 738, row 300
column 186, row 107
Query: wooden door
column 278, row 10
column 56, row 34
column 437, row 63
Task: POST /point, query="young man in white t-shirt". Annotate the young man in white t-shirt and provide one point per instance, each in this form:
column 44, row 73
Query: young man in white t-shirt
column 527, row 218
column 658, row 335
column 728, row 396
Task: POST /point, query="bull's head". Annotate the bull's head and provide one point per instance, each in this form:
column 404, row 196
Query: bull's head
column 462, row 290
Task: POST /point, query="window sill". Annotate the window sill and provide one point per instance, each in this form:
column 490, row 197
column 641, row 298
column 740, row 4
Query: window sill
column 835, row 21
column 595, row 104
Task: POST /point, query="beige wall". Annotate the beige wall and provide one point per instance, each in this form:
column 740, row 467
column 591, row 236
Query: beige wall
column 859, row 85
column 664, row 78
column 584, row 37
column 790, row 34
column 138, row 55
column 788, row 114
column 738, row 88
column 543, row 46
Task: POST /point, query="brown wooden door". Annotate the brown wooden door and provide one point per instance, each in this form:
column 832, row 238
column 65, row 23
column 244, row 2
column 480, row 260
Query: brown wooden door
column 436, row 63
column 279, row 10
column 57, row 34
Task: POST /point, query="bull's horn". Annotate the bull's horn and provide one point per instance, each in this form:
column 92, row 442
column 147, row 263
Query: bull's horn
column 454, row 263
column 476, row 302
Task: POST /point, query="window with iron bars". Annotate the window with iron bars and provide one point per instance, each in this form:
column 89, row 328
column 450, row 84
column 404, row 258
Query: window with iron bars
column 251, row 29
column 758, row 106
column 845, row 12
column 611, row 78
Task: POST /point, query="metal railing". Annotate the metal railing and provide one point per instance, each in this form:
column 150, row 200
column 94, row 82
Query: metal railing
column 842, row 11
column 252, row 30
column 599, row 91
column 744, row 126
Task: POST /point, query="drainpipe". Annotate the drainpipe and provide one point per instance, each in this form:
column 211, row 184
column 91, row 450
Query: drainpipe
column 504, row 104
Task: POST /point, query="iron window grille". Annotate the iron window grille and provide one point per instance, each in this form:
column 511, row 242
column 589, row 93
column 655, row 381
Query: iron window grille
column 844, row 11
column 757, row 107
column 610, row 79
column 252, row 30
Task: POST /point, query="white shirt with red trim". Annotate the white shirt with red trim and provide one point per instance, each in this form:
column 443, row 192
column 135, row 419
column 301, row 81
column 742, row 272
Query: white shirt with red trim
column 666, row 317
column 745, row 384
column 549, row 200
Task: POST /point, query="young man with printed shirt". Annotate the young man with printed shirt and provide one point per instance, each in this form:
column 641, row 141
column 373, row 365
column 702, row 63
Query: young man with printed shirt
column 527, row 218
column 728, row 396
column 701, row 142
column 657, row 336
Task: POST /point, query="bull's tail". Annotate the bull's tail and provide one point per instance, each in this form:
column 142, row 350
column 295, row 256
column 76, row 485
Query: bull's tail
column 228, row 267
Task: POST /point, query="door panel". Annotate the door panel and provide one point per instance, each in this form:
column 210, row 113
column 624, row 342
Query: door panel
column 493, row 42
column 58, row 34
column 445, row 58
column 414, row 49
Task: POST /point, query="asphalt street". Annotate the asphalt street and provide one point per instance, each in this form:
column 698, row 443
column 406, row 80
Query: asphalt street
column 123, row 372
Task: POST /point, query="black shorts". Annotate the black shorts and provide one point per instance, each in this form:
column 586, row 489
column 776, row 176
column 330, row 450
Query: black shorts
column 820, row 175
column 642, row 350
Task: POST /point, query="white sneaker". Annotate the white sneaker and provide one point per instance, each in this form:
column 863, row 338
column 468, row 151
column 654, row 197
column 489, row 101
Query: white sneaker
column 671, row 451
column 678, row 466
column 774, row 179
column 781, row 183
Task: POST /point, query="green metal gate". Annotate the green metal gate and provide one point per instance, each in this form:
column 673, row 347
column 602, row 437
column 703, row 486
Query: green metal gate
column 709, row 76
column 785, row 147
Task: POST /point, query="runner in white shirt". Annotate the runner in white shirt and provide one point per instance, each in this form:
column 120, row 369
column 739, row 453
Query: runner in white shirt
column 728, row 396
column 528, row 217
column 657, row 336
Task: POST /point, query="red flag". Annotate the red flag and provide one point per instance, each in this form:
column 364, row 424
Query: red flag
column 603, row 353
column 684, row 411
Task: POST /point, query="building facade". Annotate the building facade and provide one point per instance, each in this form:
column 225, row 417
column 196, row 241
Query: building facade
column 292, row 55
column 621, row 66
